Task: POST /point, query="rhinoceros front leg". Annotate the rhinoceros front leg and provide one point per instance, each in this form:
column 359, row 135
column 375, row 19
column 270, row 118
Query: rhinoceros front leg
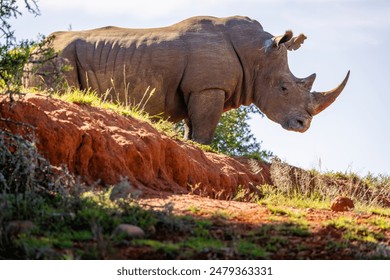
column 204, row 111
column 187, row 129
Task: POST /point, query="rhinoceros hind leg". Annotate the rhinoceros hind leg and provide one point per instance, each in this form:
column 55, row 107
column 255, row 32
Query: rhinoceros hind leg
column 204, row 111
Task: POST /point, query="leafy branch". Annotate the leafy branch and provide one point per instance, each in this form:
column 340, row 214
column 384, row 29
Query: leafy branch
column 14, row 56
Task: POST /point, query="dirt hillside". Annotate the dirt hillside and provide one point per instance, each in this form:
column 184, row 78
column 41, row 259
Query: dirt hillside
column 103, row 147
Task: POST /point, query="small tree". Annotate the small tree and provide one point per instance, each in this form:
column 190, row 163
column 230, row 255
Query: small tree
column 15, row 55
column 234, row 137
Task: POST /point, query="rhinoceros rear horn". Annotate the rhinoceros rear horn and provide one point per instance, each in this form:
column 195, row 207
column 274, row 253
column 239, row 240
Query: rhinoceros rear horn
column 321, row 100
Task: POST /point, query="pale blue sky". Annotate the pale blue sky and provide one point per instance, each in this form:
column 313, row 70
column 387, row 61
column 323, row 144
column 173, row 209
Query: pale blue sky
column 351, row 135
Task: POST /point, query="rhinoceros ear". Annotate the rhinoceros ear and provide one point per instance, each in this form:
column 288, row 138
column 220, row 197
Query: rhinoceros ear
column 281, row 39
column 296, row 42
column 276, row 41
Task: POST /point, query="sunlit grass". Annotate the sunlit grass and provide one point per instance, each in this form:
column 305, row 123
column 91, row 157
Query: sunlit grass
column 91, row 98
column 273, row 198
column 136, row 111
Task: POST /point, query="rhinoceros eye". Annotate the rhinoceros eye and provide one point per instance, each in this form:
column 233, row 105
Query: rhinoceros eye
column 284, row 89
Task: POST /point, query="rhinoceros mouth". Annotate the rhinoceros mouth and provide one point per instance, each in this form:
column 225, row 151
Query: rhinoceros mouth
column 297, row 124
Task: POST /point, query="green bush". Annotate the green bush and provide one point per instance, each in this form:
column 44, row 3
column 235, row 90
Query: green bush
column 14, row 55
column 234, row 137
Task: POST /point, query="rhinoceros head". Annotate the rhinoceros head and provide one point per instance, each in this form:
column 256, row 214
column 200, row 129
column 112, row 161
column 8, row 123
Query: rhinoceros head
column 280, row 95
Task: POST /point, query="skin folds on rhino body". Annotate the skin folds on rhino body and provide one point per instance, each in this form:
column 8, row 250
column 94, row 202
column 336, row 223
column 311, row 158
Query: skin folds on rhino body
column 199, row 68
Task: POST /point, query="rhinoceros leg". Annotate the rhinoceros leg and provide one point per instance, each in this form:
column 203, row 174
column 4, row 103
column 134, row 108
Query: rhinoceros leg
column 204, row 111
column 187, row 129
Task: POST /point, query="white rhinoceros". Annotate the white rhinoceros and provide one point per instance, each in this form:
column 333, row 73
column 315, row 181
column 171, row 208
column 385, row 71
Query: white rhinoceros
column 199, row 68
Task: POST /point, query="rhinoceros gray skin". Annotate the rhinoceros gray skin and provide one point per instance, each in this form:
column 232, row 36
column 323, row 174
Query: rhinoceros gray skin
column 199, row 68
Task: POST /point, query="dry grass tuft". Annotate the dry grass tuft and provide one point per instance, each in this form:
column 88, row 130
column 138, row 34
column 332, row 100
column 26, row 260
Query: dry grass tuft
column 293, row 181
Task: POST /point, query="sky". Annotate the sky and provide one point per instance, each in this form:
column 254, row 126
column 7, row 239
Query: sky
column 352, row 135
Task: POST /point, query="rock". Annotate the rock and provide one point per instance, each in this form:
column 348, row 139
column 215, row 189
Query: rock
column 128, row 231
column 17, row 227
column 341, row 203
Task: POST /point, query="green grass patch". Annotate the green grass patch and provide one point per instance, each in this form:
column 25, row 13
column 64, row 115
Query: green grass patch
column 165, row 247
column 293, row 228
column 354, row 231
column 201, row 228
column 275, row 200
column 380, row 211
column 195, row 244
column 81, row 97
column 251, row 250
column 222, row 214
column 202, row 244
column 194, row 209
column 93, row 99
column 363, row 233
column 313, row 185
column 341, row 222
column 380, row 222
column 335, row 245
column 283, row 211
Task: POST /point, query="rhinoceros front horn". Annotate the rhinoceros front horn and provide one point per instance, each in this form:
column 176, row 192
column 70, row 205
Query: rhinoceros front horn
column 322, row 100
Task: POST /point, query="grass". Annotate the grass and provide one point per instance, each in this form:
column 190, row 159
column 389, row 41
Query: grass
column 380, row 222
column 194, row 209
column 202, row 244
column 301, row 186
column 341, row 222
column 283, row 211
column 91, row 98
column 95, row 217
column 189, row 247
column 293, row 228
column 222, row 214
column 273, row 197
column 82, row 98
column 251, row 250
column 376, row 210
column 166, row 248
column 354, row 231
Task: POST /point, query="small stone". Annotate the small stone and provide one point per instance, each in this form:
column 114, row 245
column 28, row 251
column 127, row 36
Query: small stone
column 17, row 227
column 128, row 231
column 341, row 203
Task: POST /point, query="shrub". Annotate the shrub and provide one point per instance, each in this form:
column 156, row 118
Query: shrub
column 18, row 60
